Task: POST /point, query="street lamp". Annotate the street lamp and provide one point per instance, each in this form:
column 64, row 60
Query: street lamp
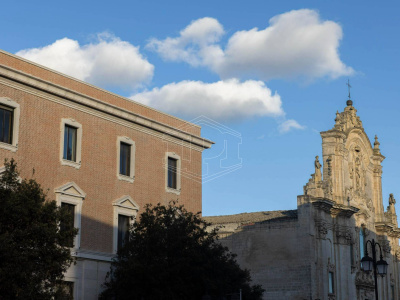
column 369, row 264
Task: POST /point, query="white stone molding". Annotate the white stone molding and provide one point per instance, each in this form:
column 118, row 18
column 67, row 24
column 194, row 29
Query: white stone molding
column 71, row 193
column 94, row 255
column 73, row 123
column 129, row 141
column 125, row 206
column 178, row 173
column 15, row 130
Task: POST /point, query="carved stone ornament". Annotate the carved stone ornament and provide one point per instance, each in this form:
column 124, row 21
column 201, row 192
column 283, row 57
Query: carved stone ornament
column 397, row 254
column 370, row 205
column 364, row 280
column 392, row 201
column 327, row 188
column 344, row 235
column 347, row 119
column 322, row 228
column 386, row 246
column 351, row 169
column 358, row 173
column 331, row 267
column 328, row 162
column 331, row 297
column 366, row 294
column 317, row 165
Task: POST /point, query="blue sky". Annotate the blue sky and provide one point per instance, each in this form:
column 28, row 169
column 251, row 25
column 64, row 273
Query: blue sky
column 273, row 72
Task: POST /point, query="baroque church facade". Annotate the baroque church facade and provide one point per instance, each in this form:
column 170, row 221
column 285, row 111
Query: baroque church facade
column 314, row 252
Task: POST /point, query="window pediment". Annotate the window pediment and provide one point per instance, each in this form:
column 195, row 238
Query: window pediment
column 126, row 202
column 71, row 189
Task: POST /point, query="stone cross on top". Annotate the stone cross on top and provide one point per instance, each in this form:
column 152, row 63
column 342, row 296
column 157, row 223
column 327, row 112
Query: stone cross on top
column 349, row 87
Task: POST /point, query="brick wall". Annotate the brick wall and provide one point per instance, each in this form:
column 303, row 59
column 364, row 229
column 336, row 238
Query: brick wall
column 39, row 149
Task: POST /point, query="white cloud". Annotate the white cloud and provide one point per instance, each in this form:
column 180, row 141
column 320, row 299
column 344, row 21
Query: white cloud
column 195, row 44
column 288, row 125
column 222, row 100
column 109, row 62
column 295, row 44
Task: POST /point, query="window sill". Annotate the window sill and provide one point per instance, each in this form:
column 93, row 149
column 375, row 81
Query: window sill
column 70, row 163
column 126, row 178
column 174, row 191
column 9, row 147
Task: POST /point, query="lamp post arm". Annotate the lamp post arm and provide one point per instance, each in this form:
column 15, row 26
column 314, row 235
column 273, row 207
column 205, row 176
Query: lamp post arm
column 380, row 250
column 366, row 246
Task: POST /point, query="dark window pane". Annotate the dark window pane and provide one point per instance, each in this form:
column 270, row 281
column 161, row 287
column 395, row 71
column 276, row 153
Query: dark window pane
column 68, row 224
column 172, row 173
column 70, row 134
column 6, row 122
column 331, row 283
column 125, row 159
column 362, row 242
column 123, row 228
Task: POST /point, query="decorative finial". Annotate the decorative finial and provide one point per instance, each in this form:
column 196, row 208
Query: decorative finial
column 376, row 143
column 392, row 201
column 349, row 102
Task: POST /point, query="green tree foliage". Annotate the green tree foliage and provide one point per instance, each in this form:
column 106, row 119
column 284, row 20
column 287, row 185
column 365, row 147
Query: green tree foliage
column 32, row 258
column 170, row 255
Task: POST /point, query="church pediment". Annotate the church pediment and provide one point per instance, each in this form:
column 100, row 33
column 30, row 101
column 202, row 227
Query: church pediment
column 351, row 165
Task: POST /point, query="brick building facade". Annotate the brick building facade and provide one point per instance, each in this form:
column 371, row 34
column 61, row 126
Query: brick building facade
column 103, row 155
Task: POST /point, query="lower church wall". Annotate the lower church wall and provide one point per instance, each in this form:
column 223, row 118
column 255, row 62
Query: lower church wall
column 277, row 255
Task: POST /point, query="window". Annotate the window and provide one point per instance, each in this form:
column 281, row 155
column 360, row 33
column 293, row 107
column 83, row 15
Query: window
column 331, row 283
column 173, row 172
column 125, row 209
column 123, row 228
column 71, row 143
column 70, row 197
column 6, row 124
column 126, row 159
column 9, row 124
column 362, row 242
column 69, row 224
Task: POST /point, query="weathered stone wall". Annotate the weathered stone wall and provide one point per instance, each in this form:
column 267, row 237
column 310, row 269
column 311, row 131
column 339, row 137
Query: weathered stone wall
column 277, row 255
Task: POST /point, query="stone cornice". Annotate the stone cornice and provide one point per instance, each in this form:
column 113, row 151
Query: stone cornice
column 388, row 228
column 333, row 133
column 67, row 95
column 333, row 208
